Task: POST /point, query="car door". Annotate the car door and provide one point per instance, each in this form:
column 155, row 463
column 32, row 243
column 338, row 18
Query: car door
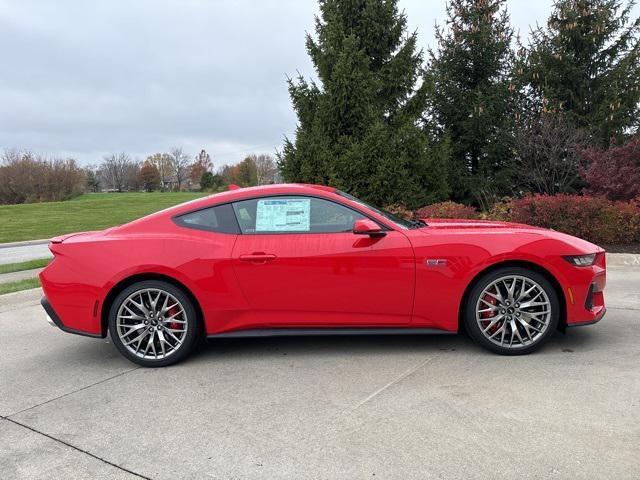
column 298, row 262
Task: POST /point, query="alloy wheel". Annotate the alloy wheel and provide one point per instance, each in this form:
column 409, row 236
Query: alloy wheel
column 513, row 312
column 151, row 324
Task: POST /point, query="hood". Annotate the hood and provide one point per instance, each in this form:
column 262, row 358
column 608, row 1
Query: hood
column 461, row 226
column 463, row 223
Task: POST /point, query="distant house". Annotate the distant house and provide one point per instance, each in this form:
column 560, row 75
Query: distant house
column 170, row 183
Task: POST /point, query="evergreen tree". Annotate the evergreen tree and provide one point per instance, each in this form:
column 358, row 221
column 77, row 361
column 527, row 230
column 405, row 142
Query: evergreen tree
column 247, row 175
column 359, row 128
column 474, row 97
column 586, row 63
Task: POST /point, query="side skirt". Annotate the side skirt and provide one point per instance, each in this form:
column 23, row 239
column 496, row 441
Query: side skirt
column 286, row 332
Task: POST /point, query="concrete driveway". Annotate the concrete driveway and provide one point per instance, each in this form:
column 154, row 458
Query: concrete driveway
column 324, row 408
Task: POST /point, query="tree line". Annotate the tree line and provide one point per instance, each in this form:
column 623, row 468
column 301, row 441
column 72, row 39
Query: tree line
column 26, row 177
column 176, row 170
column 481, row 116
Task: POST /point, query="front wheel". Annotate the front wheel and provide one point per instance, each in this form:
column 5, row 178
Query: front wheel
column 153, row 323
column 512, row 311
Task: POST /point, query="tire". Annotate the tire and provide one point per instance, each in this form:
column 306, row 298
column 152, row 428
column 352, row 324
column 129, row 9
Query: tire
column 495, row 306
column 146, row 330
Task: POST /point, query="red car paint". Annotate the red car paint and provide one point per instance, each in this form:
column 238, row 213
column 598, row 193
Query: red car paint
column 408, row 277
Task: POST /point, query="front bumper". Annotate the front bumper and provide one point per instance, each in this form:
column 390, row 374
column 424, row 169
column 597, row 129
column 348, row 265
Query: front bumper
column 54, row 320
column 597, row 318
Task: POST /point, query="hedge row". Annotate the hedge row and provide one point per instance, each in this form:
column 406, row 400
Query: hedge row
column 595, row 219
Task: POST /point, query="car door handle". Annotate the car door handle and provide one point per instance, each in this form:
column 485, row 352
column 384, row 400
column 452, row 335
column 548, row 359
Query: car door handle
column 257, row 257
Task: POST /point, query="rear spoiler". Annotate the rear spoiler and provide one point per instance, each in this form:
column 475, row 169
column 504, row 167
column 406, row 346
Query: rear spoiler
column 62, row 238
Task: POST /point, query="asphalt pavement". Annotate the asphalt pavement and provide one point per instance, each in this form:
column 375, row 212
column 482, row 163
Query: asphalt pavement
column 324, row 408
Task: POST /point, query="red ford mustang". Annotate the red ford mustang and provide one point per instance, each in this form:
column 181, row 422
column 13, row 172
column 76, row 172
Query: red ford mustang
column 311, row 260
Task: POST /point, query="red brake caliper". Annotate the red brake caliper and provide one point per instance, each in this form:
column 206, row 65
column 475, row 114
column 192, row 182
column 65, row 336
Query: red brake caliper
column 490, row 314
column 171, row 312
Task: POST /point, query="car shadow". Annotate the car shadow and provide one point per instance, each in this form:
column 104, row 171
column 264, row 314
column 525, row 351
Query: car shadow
column 377, row 344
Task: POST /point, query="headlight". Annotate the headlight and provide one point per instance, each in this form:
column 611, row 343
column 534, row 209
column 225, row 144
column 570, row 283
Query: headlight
column 581, row 260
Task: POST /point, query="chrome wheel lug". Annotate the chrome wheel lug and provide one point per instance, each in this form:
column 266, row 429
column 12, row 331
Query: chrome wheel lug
column 146, row 322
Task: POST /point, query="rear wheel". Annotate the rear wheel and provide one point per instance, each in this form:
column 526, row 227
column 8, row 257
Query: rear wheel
column 512, row 311
column 153, row 323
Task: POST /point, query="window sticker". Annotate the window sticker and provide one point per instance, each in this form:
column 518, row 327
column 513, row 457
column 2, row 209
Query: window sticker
column 283, row 215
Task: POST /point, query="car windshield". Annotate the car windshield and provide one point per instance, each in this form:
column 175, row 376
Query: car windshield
column 401, row 222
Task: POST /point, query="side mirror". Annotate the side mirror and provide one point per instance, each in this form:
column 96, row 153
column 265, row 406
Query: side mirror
column 364, row 226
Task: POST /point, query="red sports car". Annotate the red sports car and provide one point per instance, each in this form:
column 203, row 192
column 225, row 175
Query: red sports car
column 312, row 260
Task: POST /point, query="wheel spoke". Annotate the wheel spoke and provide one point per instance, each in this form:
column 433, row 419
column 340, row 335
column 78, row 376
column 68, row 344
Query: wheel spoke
column 493, row 321
column 492, row 308
column 132, row 328
column 497, row 296
column 136, row 338
column 140, row 306
column 533, row 304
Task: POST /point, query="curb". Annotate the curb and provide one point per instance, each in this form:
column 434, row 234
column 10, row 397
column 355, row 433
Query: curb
column 619, row 259
column 19, row 275
column 25, row 243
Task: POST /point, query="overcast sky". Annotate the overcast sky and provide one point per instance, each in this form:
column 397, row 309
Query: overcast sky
column 88, row 78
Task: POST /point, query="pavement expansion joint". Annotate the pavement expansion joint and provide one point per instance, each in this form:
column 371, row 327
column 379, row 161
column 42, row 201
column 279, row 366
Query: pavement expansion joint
column 78, row 449
column 71, row 393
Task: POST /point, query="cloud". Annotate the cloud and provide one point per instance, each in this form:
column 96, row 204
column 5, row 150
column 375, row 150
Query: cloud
column 90, row 78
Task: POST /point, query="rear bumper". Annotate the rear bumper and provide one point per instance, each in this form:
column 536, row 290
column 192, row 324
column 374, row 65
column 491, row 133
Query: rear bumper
column 54, row 320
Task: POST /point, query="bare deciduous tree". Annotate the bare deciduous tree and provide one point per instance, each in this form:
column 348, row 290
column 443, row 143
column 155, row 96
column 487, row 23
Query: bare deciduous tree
column 266, row 168
column 547, row 149
column 118, row 172
column 180, row 165
column 162, row 161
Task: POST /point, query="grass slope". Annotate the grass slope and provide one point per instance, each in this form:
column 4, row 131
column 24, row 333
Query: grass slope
column 20, row 266
column 93, row 211
column 19, row 285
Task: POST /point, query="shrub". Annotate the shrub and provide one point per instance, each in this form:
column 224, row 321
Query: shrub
column 447, row 210
column 596, row 219
column 500, row 210
column 26, row 178
column 400, row 210
column 613, row 173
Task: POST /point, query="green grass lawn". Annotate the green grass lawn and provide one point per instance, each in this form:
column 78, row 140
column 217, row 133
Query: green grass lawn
column 93, row 211
column 19, row 285
column 28, row 265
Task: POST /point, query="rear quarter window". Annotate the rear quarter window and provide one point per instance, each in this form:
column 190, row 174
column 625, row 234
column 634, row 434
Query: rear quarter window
column 213, row 219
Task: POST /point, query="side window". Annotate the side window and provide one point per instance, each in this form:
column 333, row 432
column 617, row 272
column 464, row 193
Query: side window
column 214, row 219
column 293, row 214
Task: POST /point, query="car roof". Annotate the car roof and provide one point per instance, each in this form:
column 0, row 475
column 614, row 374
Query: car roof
column 235, row 194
